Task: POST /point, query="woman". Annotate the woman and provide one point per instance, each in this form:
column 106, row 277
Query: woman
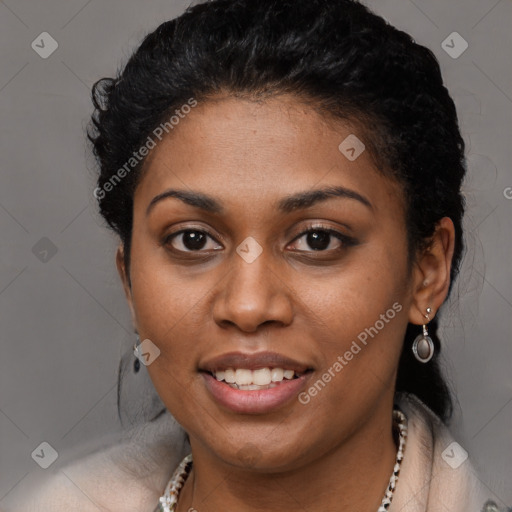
column 284, row 177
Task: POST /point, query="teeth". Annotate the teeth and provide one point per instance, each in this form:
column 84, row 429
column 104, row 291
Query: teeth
column 254, row 387
column 277, row 374
column 288, row 374
column 243, row 377
column 229, row 376
column 262, row 377
column 253, row 379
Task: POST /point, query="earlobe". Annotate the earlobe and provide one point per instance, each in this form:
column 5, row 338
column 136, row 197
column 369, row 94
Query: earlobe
column 431, row 273
column 121, row 267
column 125, row 279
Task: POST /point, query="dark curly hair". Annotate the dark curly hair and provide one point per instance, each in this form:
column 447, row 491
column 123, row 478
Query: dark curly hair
column 335, row 55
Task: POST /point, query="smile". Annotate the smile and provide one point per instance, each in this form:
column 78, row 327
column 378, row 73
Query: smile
column 253, row 380
column 254, row 383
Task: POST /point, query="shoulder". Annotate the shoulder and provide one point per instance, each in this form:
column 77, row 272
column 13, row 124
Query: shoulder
column 437, row 473
column 127, row 476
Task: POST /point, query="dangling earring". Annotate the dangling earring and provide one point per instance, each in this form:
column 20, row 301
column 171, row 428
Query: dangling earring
column 136, row 344
column 423, row 346
column 136, row 362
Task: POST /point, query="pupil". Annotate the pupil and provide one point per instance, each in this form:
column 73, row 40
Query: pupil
column 193, row 240
column 318, row 240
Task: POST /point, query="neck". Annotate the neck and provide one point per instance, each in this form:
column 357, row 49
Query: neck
column 356, row 472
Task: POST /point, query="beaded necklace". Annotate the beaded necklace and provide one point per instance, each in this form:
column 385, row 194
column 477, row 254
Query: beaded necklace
column 169, row 500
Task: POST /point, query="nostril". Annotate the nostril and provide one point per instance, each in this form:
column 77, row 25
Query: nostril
column 136, row 365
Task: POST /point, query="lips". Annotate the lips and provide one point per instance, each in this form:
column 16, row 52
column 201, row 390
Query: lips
column 254, row 383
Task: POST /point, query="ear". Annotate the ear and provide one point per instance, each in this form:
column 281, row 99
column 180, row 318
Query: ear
column 431, row 273
column 125, row 279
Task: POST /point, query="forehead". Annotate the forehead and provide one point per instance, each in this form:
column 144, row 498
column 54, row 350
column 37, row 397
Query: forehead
column 242, row 150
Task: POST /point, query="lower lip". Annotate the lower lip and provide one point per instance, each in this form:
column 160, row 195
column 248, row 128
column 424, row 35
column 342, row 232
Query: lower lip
column 257, row 401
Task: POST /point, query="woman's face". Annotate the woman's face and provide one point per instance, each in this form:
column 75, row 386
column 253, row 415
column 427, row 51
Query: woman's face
column 281, row 253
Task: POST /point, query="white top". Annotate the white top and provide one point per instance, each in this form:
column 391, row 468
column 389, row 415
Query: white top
column 131, row 475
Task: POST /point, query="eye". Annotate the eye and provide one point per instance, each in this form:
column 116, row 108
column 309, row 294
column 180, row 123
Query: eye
column 191, row 240
column 322, row 239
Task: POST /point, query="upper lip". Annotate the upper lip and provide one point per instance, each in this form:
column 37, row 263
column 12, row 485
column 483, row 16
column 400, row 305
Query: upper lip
column 253, row 362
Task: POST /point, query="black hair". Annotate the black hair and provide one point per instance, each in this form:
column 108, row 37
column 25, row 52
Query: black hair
column 338, row 56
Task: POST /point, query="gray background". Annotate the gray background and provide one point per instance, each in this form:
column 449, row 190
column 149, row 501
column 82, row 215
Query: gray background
column 63, row 320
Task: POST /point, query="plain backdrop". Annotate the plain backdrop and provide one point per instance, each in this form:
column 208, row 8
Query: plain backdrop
column 64, row 324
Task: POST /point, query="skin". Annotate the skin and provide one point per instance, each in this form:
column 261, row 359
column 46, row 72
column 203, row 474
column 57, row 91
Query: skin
column 309, row 305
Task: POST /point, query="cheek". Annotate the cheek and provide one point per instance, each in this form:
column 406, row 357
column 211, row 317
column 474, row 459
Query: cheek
column 166, row 296
column 360, row 322
column 354, row 297
column 169, row 311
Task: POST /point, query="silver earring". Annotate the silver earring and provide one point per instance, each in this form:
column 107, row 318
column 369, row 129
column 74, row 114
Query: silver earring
column 136, row 362
column 423, row 346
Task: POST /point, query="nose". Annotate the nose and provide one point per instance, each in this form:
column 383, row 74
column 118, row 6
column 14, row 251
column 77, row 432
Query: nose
column 252, row 294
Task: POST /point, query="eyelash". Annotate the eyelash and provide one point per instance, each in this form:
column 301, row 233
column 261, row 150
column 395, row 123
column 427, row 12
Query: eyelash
column 346, row 241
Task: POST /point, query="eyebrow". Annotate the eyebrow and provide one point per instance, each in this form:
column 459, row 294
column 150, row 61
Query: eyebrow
column 298, row 201
column 195, row 199
column 307, row 199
